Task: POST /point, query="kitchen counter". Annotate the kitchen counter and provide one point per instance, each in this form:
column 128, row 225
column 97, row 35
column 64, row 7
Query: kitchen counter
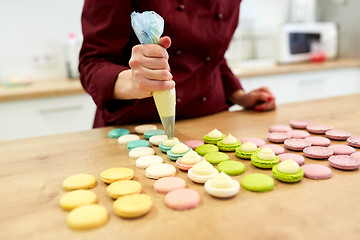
column 61, row 87
column 33, row 170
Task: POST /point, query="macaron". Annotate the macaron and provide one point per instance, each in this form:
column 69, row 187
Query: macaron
column 167, row 144
column 177, row 151
column 114, row 174
column 257, row 182
column 296, row 144
column 344, row 162
column 299, row 123
column 154, row 132
column 122, row 188
column 317, row 129
column 135, row 153
column 132, row 206
column 79, row 181
column 298, row 134
column 279, row 128
column 317, row 152
column 340, row 149
column 288, row 171
column 228, row 144
column 213, row 137
column 188, row 160
column 316, row 171
column 231, row 167
column 276, row 148
column 246, row 150
column 335, row 134
column 318, row 141
column 118, row 132
column 77, row 198
column 356, row 155
column 206, row 148
column 354, row 141
column 125, row 139
column 146, row 161
column 278, row 137
column 137, row 143
column 222, row 186
column 145, row 127
column 160, row 170
column 264, row 158
column 167, row 184
column 193, row 144
column 259, row 142
column 296, row 157
column 87, row 217
column 157, row 139
column 202, row 171
column 182, row 199
column 216, row 157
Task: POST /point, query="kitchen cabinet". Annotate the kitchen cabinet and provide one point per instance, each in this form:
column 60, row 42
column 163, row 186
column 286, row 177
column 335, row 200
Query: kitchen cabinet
column 45, row 116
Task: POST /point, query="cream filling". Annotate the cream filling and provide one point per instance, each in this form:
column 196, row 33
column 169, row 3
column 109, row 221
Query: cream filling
column 191, row 157
column 215, row 134
column 248, row 147
column 203, row 168
column 221, row 181
column 266, row 154
column 170, row 142
column 229, row 140
column 288, row 166
column 179, row 148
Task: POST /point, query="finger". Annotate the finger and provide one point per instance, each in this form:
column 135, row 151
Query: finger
column 150, row 50
column 165, row 42
column 260, row 96
column 160, row 75
column 267, row 90
column 147, row 85
column 265, row 106
column 156, row 63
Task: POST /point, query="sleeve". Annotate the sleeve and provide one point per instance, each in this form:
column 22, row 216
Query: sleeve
column 230, row 82
column 105, row 50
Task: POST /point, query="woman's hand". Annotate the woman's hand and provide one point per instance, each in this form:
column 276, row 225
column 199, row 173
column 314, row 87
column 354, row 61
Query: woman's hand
column 150, row 72
column 260, row 99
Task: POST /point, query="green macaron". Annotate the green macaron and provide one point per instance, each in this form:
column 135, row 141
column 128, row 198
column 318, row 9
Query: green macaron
column 175, row 156
column 137, row 143
column 243, row 154
column 153, row 132
column 118, row 132
column 287, row 177
column 231, row 167
column 210, row 140
column 228, row 147
column 260, row 163
column 216, row 157
column 257, row 182
column 206, row 148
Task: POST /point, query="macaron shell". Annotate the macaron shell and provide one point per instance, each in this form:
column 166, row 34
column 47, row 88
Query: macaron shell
column 316, row 171
column 146, row 161
column 318, row 141
column 257, row 162
column 296, row 157
column 157, row 139
column 298, row 134
column 227, row 147
column 335, row 134
column 193, row 144
column 135, row 153
column 167, row 184
column 206, row 148
column 231, row 167
column 118, row 132
column 144, row 127
column 279, row 128
column 356, row 155
column 133, row 206
column 125, row 139
column 222, row 192
column 340, row 149
column 296, row 144
column 354, row 141
column 300, row 124
column 137, row 143
column 201, row 178
column 79, row 181
column 216, row 157
column 317, row 152
column 182, row 199
column 77, row 198
column 257, row 182
column 278, row 137
column 344, row 162
column 317, row 129
column 257, row 141
column 122, row 188
column 160, row 170
column 287, row 177
column 276, row 148
column 87, row 217
column 114, row 174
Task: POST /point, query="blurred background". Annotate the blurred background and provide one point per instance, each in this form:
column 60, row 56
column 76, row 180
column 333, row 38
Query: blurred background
column 40, row 93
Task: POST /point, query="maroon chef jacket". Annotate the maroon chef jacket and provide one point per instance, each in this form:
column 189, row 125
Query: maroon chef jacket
column 200, row 30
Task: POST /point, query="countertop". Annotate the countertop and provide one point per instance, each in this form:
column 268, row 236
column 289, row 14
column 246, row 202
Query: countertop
column 33, row 170
column 62, row 87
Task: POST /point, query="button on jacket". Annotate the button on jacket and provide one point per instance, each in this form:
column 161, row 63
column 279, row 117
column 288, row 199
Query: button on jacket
column 200, row 32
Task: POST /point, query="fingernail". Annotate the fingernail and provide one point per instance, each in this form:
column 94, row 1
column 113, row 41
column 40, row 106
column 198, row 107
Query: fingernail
column 270, row 98
column 169, row 69
column 259, row 109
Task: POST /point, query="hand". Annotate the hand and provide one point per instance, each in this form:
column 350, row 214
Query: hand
column 150, row 72
column 260, row 99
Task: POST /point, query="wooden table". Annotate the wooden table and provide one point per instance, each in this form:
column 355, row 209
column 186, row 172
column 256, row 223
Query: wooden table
column 32, row 171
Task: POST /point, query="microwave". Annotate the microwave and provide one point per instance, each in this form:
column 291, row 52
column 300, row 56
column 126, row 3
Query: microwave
column 300, row 41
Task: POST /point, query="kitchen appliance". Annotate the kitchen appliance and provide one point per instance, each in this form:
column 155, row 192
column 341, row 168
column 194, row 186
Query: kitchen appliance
column 302, row 41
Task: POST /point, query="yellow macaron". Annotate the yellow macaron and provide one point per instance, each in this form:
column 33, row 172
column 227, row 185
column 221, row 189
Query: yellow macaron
column 77, row 198
column 114, row 174
column 79, row 181
column 122, row 188
column 132, row 206
column 87, row 217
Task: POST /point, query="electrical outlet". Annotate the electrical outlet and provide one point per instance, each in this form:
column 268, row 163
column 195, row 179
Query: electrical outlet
column 42, row 59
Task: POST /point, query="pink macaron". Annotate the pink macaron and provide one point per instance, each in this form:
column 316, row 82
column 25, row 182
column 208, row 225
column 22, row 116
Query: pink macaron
column 182, row 199
column 318, row 141
column 317, row 129
column 277, row 137
column 335, row 134
column 301, row 124
column 296, row 144
column 167, row 184
column 184, row 166
column 316, row 171
column 279, row 128
column 344, row 162
column 340, row 149
column 276, row 148
column 354, row 141
column 296, row 157
column 193, row 144
column 317, row 152
column 356, row 155
column 257, row 141
column 298, row 134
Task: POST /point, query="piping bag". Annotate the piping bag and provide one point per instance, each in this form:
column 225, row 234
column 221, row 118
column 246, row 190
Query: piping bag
column 148, row 27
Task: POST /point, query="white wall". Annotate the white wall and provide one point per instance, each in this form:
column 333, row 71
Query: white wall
column 30, row 27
